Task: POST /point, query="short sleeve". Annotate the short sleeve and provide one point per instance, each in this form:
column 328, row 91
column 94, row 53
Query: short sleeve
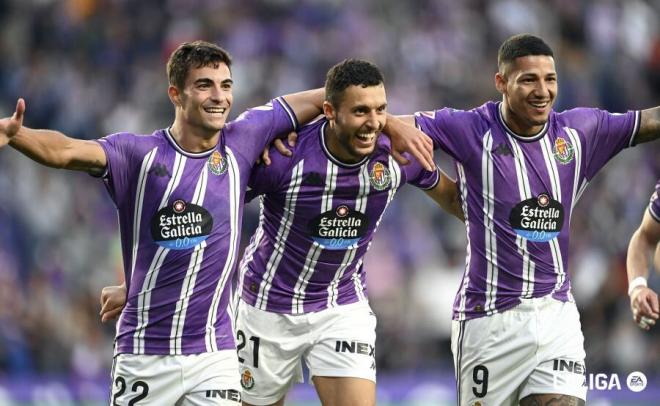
column 450, row 129
column 119, row 151
column 257, row 127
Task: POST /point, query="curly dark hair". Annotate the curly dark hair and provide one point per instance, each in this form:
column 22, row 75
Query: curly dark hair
column 350, row 72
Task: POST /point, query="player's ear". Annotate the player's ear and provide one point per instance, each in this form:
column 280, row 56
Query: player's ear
column 175, row 95
column 500, row 82
column 328, row 110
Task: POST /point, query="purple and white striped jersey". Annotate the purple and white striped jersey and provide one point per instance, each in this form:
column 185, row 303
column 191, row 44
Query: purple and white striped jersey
column 318, row 217
column 180, row 221
column 518, row 194
column 654, row 204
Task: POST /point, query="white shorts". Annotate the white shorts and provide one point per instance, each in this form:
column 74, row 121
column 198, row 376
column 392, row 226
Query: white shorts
column 535, row 348
column 182, row 380
column 337, row 342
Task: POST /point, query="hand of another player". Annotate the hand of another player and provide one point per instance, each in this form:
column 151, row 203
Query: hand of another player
column 9, row 126
column 113, row 300
column 280, row 147
column 415, row 142
column 644, row 306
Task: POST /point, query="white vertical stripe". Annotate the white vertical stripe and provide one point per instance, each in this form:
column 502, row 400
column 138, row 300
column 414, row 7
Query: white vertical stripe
column 395, row 176
column 248, row 255
column 282, row 233
column 466, row 276
column 525, row 192
column 234, row 175
column 577, row 173
column 488, row 194
column 194, row 267
column 139, row 200
column 149, row 283
column 315, row 250
column 555, row 183
column 349, row 255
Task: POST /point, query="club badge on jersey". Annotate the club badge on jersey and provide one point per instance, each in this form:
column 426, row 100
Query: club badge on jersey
column 563, row 151
column 217, row 164
column 379, row 177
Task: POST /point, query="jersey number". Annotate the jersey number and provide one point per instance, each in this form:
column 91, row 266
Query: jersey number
column 240, row 336
column 480, row 377
column 121, row 384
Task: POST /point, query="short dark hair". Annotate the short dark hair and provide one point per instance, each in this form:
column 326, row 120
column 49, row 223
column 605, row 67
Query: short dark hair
column 350, row 72
column 521, row 45
column 194, row 55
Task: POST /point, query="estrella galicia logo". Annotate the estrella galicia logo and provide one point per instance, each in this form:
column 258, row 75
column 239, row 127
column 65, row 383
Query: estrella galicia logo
column 339, row 229
column 563, row 151
column 379, row 177
column 217, row 164
column 537, row 219
column 181, row 226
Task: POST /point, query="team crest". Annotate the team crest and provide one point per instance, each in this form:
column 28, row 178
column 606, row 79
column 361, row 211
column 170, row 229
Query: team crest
column 563, row 150
column 217, row 164
column 247, row 381
column 379, row 177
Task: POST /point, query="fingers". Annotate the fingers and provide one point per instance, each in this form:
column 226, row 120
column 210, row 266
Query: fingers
column 265, row 157
column 421, row 148
column 111, row 314
column 400, row 158
column 292, row 138
column 282, row 148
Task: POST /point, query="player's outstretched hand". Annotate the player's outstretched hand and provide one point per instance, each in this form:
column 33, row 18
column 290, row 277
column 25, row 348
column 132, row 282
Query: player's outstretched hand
column 9, row 126
column 415, row 142
column 280, row 147
column 113, row 300
column 644, row 306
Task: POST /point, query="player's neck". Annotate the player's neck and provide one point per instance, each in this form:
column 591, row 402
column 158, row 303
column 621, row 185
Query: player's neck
column 517, row 124
column 338, row 152
column 193, row 139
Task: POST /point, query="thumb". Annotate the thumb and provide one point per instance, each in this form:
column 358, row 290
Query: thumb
column 20, row 111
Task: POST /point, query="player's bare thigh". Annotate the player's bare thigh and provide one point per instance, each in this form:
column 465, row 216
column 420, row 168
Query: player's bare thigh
column 552, row 399
column 345, row 391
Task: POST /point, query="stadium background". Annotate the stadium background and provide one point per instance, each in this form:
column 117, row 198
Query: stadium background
column 92, row 67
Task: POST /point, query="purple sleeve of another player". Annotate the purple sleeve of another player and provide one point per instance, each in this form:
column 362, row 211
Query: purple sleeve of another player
column 654, row 205
column 449, row 129
column 418, row 176
column 605, row 134
column 259, row 126
column 119, row 151
column 265, row 179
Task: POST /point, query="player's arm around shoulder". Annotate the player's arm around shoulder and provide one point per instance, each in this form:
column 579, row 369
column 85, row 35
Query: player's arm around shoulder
column 649, row 126
column 445, row 194
column 52, row 148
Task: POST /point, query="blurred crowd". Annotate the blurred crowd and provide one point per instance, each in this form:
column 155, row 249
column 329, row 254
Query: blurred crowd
column 93, row 67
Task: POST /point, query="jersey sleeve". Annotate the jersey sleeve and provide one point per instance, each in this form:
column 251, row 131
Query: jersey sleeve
column 450, row 130
column 119, row 151
column 259, row 126
column 418, row 176
column 266, row 179
column 654, row 204
column 605, row 134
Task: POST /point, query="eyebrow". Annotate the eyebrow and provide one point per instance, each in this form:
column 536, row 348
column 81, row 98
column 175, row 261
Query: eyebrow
column 207, row 80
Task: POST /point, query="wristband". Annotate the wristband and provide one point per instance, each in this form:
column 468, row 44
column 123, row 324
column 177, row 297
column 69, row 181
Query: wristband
column 635, row 283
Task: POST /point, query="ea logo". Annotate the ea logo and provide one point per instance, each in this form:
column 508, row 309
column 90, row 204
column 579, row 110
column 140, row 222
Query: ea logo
column 636, row 381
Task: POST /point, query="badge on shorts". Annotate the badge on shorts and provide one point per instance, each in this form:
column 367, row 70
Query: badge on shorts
column 247, row 381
